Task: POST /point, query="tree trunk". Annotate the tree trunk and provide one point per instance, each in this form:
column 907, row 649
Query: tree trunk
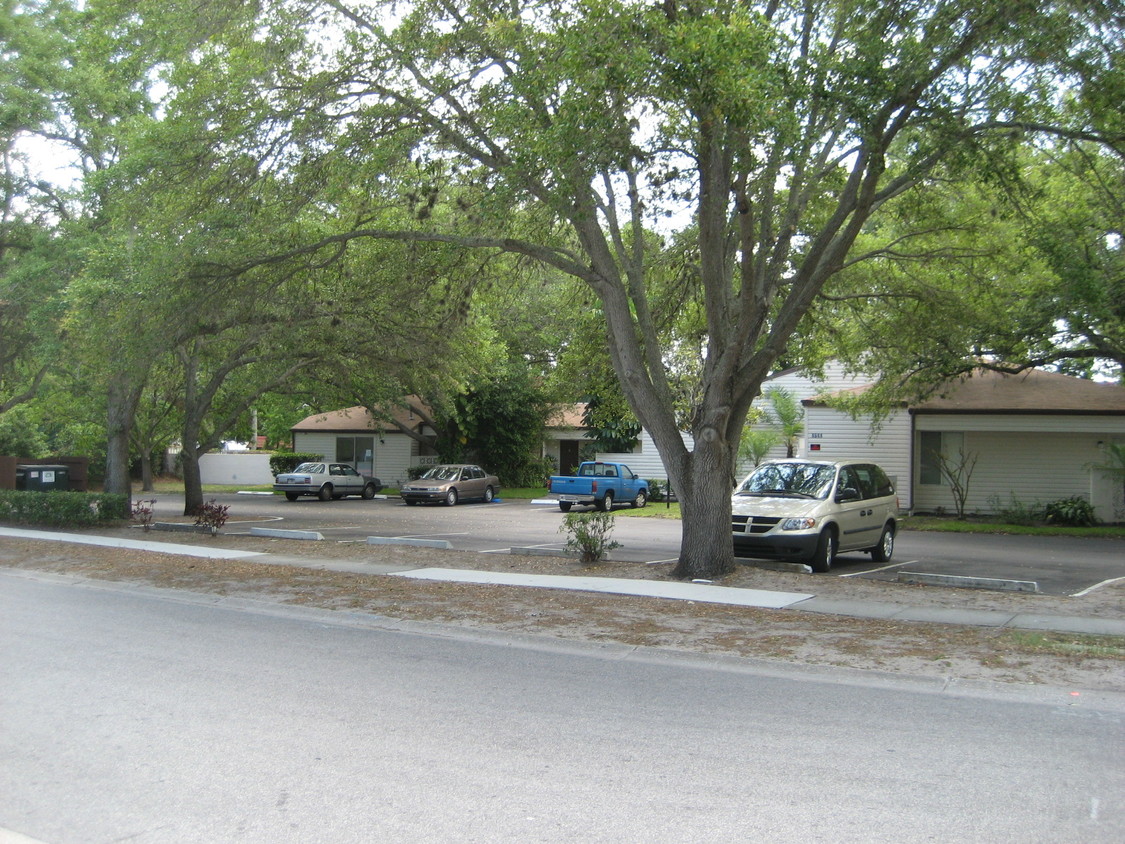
column 146, row 471
column 122, row 398
column 193, row 482
column 706, row 547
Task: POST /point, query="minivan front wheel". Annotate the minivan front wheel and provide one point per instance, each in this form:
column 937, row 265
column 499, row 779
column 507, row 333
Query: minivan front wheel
column 882, row 552
column 825, row 554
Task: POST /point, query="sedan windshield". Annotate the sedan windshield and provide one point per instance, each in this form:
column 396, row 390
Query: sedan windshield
column 800, row 480
column 442, row 473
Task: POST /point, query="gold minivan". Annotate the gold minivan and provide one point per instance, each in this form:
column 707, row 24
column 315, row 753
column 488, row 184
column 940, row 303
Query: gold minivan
column 807, row 511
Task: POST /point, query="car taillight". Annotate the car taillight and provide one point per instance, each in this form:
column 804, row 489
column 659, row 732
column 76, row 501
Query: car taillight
column 593, row 486
column 548, row 484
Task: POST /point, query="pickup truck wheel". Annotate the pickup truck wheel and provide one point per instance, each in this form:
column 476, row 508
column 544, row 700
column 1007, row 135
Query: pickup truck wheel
column 641, row 500
column 606, row 504
column 325, row 493
column 565, row 506
column 451, row 497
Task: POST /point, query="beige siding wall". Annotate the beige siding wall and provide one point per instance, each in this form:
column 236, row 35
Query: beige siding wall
column 1034, row 467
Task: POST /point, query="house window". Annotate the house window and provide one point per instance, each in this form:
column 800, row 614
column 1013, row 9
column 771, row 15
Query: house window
column 357, row 452
column 935, row 446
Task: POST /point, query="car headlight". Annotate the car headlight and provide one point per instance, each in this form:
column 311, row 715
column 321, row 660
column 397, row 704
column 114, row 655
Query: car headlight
column 803, row 523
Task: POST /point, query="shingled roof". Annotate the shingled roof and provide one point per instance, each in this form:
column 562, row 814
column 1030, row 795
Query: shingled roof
column 357, row 420
column 1031, row 391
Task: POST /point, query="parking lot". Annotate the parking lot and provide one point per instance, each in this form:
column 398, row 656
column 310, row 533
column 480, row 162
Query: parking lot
column 1058, row 565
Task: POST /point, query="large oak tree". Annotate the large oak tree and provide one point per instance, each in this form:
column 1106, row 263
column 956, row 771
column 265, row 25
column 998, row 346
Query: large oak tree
column 773, row 131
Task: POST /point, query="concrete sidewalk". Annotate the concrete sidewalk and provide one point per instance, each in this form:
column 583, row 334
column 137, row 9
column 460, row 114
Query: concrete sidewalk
column 700, row 592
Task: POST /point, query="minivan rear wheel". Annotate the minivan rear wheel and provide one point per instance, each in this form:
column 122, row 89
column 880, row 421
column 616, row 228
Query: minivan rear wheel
column 882, row 552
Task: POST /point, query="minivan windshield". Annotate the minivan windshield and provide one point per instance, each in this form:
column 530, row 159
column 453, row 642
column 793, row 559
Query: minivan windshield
column 796, row 480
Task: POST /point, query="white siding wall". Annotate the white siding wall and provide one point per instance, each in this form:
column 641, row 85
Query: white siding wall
column 644, row 459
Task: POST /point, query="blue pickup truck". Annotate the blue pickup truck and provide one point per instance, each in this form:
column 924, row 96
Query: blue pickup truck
column 599, row 485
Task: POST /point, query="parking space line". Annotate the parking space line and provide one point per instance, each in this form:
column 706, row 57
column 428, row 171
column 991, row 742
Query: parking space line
column 1090, row 589
column 881, row 568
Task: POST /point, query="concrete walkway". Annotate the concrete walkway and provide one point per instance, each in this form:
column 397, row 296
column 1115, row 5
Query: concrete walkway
column 701, row 592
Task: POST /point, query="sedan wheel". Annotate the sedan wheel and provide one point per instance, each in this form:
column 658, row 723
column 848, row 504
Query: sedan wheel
column 489, row 495
column 325, row 493
column 291, row 496
column 451, row 497
column 369, row 491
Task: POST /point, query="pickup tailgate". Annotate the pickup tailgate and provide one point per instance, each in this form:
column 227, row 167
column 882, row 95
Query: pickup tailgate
column 572, row 487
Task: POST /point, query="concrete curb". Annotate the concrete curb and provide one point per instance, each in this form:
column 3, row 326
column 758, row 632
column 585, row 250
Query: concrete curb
column 965, row 582
column 278, row 533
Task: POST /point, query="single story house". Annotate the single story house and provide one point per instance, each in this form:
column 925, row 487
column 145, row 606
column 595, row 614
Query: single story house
column 381, row 448
column 1032, row 438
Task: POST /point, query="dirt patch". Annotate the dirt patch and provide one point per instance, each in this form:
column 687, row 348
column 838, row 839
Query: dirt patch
column 1077, row 662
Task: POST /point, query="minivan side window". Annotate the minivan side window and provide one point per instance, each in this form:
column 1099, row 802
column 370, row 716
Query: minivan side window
column 874, row 482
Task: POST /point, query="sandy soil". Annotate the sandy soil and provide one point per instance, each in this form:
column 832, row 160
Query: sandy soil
column 951, row 652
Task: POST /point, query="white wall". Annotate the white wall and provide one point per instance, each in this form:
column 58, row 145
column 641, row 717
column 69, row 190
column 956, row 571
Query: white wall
column 248, row 469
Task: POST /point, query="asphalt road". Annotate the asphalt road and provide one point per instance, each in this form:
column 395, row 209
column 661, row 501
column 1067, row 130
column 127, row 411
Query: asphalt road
column 1060, row 565
column 132, row 715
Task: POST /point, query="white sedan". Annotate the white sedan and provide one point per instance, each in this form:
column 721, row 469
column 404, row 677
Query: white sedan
column 326, row 481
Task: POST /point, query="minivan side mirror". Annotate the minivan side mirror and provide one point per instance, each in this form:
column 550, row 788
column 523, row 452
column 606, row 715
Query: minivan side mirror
column 848, row 494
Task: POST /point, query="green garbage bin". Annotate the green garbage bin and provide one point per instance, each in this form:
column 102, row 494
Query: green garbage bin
column 42, row 478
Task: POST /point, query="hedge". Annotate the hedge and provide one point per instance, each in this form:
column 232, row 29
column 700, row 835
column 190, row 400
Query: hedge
column 62, row 509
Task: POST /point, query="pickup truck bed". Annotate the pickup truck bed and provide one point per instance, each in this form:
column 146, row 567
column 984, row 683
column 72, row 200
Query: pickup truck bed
column 599, row 485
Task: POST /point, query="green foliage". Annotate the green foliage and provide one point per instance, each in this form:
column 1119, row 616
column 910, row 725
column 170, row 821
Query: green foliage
column 1075, row 512
column 1016, row 512
column 20, row 434
column 286, row 461
column 657, row 489
column 498, row 423
column 62, row 509
column 588, row 535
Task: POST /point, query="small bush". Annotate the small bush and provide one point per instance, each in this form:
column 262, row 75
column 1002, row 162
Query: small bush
column 143, row 512
column 1017, row 512
column 212, row 515
column 588, row 535
column 286, row 461
column 62, row 509
column 657, row 489
column 1074, row 512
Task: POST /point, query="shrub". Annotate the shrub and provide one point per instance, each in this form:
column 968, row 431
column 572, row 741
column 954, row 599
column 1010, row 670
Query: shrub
column 656, row 489
column 286, row 461
column 1075, row 512
column 62, row 509
column 212, row 515
column 143, row 512
column 588, row 535
column 1016, row 512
